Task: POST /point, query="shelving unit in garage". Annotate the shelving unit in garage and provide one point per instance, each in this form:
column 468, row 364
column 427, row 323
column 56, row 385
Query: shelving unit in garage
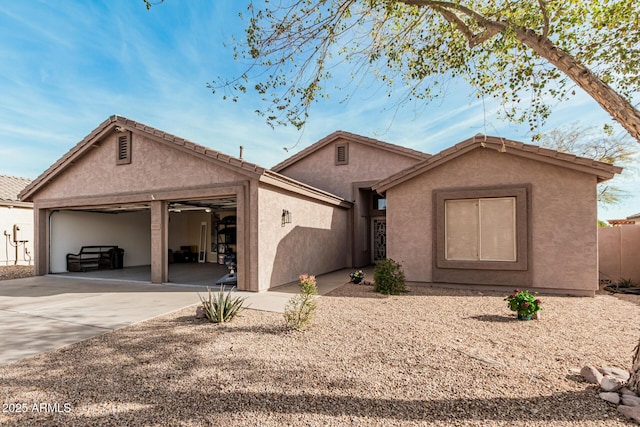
column 227, row 239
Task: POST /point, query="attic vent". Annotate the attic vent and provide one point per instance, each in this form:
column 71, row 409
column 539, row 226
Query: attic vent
column 342, row 154
column 123, row 155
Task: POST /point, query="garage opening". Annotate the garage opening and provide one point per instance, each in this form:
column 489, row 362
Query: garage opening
column 116, row 240
column 202, row 242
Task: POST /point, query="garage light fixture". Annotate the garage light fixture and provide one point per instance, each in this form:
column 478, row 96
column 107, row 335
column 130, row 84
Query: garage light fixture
column 286, row 217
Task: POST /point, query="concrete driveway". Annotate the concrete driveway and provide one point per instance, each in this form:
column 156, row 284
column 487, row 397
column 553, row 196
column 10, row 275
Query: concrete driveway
column 43, row 313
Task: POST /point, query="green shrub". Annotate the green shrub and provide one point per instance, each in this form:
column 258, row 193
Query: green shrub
column 388, row 277
column 300, row 309
column 220, row 307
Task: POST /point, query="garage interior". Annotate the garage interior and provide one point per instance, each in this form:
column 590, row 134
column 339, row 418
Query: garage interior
column 202, row 240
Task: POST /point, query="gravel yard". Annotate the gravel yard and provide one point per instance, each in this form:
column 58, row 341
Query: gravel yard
column 429, row 357
column 8, row 272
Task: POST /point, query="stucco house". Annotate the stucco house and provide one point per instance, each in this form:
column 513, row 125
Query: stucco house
column 485, row 212
column 16, row 222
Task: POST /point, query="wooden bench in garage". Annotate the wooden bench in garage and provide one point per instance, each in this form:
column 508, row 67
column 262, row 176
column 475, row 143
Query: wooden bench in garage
column 95, row 258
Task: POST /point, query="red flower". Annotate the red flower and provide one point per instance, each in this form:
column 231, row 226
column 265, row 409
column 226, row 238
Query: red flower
column 516, row 290
column 512, row 296
column 538, row 302
column 526, row 304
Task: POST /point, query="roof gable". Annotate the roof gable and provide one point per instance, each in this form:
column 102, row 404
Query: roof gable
column 349, row 137
column 603, row 171
column 117, row 123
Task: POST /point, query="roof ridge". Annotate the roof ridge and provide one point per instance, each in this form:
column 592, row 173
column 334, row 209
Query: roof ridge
column 354, row 137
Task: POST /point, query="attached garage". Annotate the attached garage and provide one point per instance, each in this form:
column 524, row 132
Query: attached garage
column 168, row 202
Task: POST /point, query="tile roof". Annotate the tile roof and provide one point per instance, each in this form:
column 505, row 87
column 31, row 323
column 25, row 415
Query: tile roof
column 340, row 134
column 11, row 186
column 115, row 121
column 240, row 165
column 603, row 171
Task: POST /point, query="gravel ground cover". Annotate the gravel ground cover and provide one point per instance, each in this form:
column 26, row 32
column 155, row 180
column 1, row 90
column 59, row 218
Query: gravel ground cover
column 429, row 357
column 16, row 271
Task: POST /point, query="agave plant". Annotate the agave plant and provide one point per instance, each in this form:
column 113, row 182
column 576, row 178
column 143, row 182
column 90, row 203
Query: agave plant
column 220, row 306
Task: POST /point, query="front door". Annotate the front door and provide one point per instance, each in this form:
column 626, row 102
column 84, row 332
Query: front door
column 379, row 228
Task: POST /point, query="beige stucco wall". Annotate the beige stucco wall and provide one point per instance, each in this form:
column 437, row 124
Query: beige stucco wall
column 154, row 166
column 619, row 252
column 313, row 243
column 366, row 163
column 563, row 245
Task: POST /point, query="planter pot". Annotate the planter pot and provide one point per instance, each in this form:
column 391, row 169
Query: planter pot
column 356, row 281
column 523, row 317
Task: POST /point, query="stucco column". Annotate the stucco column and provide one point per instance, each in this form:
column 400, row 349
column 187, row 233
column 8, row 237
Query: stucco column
column 41, row 241
column 159, row 241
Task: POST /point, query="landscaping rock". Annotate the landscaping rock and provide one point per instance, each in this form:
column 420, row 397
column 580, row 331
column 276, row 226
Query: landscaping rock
column 610, row 396
column 610, row 383
column 623, row 374
column 630, row 400
column 625, row 390
column 591, row 374
column 632, row 412
column 200, row 313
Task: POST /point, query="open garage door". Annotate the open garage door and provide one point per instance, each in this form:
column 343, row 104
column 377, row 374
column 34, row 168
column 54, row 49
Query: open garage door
column 125, row 227
column 203, row 241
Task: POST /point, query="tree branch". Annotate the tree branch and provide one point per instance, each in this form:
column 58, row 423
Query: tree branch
column 491, row 28
column 545, row 17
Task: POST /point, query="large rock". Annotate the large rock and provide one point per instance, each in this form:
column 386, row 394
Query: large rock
column 625, row 390
column 610, row 396
column 630, row 400
column 591, row 374
column 200, row 313
column 632, row 412
column 615, row 372
column 610, row 383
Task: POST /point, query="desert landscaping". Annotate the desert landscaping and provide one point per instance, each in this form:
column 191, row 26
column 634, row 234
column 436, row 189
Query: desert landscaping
column 428, row 357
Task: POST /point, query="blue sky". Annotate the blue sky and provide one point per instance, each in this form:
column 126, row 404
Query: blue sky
column 65, row 66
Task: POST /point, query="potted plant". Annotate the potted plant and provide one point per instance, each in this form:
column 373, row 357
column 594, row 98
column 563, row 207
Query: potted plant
column 524, row 303
column 357, row 276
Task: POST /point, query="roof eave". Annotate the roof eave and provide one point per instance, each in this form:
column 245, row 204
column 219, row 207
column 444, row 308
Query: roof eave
column 109, row 125
column 275, row 179
column 602, row 171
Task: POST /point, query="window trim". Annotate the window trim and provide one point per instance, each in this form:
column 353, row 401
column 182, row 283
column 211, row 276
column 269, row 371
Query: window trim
column 345, row 147
column 521, row 194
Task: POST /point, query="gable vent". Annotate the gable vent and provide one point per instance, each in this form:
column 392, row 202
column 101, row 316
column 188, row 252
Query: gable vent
column 342, row 154
column 123, row 154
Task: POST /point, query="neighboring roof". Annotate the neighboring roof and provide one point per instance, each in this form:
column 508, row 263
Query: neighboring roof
column 10, row 187
column 349, row 137
column 616, row 222
column 635, row 217
column 239, row 165
column 603, row 171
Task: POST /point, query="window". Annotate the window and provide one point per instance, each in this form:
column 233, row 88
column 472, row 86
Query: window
column 342, row 154
column 123, row 149
column 481, row 229
column 379, row 203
